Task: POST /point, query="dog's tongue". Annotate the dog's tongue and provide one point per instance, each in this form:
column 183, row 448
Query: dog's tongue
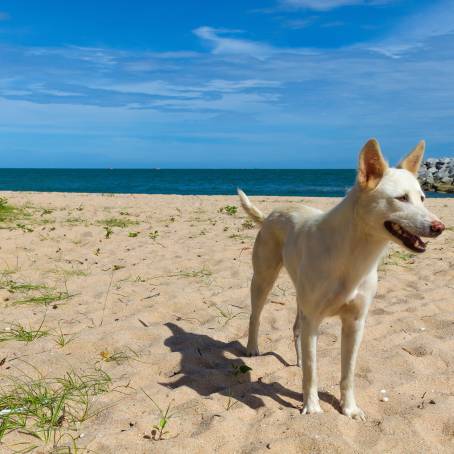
column 414, row 242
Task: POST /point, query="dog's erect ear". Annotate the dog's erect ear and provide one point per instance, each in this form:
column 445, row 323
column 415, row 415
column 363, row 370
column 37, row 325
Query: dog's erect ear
column 372, row 165
column 412, row 161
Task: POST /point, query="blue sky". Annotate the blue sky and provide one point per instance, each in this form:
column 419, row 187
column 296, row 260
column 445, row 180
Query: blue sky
column 203, row 83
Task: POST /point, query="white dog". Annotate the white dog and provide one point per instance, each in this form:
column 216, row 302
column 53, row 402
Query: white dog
column 332, row 259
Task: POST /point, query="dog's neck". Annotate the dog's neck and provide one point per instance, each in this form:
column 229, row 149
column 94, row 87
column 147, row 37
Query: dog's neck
column 351, row 239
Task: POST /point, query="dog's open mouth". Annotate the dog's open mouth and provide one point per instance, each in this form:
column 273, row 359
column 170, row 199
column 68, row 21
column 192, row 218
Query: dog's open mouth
column 411, row 241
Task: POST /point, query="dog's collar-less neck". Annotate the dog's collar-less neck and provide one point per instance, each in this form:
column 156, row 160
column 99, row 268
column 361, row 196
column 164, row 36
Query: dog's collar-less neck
column 351, row 237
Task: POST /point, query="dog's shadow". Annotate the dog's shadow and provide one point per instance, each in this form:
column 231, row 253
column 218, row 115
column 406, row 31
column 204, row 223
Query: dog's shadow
column 207, row 370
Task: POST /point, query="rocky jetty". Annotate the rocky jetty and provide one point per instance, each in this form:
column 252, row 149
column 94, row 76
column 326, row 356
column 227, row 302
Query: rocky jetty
column 437, row 175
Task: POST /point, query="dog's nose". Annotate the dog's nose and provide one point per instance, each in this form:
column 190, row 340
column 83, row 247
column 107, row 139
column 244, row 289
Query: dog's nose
column 437, row 227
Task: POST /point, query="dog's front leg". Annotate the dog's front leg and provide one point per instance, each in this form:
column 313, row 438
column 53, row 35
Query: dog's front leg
column 309, row 336
column 352, row 332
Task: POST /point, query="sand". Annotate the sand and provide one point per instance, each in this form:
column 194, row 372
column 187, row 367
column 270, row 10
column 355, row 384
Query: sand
column 162, row 305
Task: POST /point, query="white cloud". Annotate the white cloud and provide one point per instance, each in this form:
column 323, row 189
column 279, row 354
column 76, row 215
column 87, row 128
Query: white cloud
column 415, row 31
column 319, row 5
column 152, row 87
column 95, row 55
column 326, row 5
column 227, row 102
column 231, row 45
column 223, row 44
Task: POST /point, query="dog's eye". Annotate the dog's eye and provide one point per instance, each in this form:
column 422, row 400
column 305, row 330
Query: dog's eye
column 403, row 198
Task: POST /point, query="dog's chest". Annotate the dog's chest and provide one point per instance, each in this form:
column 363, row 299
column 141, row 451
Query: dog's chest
column 348, row 292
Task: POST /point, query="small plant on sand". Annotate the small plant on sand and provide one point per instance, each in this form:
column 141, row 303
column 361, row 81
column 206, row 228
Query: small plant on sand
column 24, row 228
column 202, row 272
column 240, row 369
column 399, row 258
column 45, row 294
column 231, row 402
column 62, row 339
column 74, row 220
column 117, row 222
column 14, row 287
column 248, row 224
column 133, row 234
column 46, row 298
column 108, row 231
column 226, row 315
column 154, row 235
column 159, row 431
column 118, row 357
column 19, row 333
column 231, row 210
column 239, row 236
column 67, row 273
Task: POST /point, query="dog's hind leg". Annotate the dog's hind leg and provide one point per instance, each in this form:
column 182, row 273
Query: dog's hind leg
column 267, row 262
column 297, row 339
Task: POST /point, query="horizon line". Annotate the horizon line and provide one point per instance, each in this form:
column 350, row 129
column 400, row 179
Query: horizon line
column 175, row 168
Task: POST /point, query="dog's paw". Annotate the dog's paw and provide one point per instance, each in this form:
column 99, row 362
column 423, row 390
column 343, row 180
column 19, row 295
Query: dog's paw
column 354, row 412
column 310, row 408
column 252, row 351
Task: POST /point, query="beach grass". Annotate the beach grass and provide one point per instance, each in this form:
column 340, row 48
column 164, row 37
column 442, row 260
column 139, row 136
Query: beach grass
column 11, row 213
column 159, row 429
column 118, row 222
column 46, row 298
column 48, row 409
column 19, row 333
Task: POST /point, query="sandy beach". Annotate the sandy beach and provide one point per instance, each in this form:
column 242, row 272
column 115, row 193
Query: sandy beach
column 142, row 297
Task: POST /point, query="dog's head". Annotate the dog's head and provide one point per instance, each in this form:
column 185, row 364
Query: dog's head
column 391, row 202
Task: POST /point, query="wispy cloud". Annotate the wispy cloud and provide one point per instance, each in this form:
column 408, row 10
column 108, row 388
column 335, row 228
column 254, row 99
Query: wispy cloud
column 326, row 5
column 226, row 42
column 277, row 97
column 222, row 42
column 318, row 5
column 298, row 24
column 415, row 31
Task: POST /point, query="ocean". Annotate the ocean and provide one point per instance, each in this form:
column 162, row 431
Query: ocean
column 279, row 182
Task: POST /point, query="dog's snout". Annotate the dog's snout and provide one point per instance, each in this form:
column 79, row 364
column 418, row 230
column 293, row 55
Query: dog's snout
column 437, row 227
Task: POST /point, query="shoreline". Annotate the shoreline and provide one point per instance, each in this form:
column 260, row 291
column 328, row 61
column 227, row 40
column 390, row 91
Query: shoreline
column 430, row 194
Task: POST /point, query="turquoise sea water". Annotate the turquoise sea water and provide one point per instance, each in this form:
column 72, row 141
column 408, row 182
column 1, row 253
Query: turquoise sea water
column 303, row 182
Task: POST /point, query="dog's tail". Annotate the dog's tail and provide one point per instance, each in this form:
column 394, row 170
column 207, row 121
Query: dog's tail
column 250, row 209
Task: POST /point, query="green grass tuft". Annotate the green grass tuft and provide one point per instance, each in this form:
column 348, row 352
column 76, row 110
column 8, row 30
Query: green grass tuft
column 49, row 408
column 117, row 222
column 45, row 299
column 231, row 210
column 12, row 215
column 19, row 333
